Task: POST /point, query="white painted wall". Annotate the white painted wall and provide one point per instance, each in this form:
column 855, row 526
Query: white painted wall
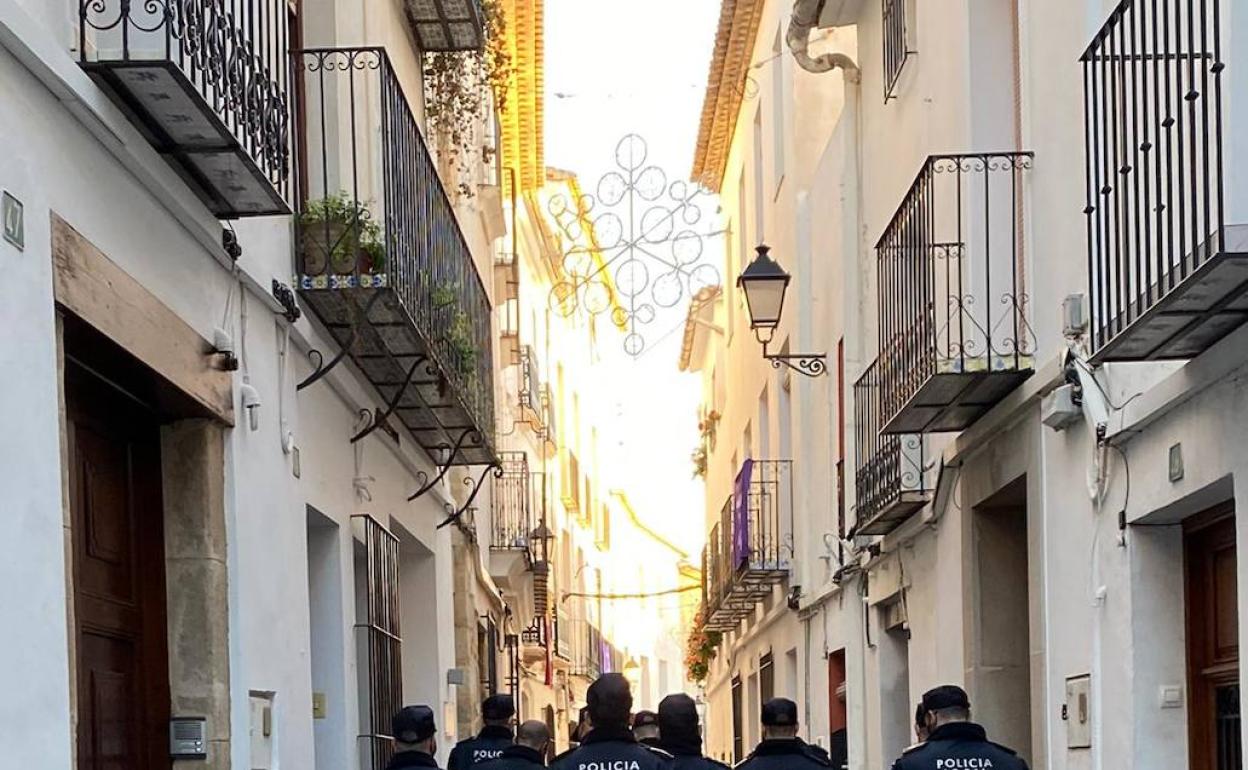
column 124, row 199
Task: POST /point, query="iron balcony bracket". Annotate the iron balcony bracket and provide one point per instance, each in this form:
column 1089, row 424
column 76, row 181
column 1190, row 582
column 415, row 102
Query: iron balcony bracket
column 379, row 417
column 323, row 368
column 809, row 364
column 475, row 485
column 426, row 483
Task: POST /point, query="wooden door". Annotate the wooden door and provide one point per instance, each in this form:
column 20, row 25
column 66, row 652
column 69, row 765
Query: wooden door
column 1212, row 642
column 119, row 583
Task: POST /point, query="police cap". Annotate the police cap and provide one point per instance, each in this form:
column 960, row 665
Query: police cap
column 413, row 724
column 499, row 706
column 947, row 696
column 780, row 712
column 678, row 712
column 609, row 700
column 645, row 719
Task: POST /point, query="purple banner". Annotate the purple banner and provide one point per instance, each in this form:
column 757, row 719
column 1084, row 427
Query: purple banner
column 741, row 515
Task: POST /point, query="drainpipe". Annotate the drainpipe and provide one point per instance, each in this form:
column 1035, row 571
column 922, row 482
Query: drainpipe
column 803, row 21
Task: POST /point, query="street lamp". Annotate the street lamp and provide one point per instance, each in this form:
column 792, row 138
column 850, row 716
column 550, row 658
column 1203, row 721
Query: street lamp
column 764, row 283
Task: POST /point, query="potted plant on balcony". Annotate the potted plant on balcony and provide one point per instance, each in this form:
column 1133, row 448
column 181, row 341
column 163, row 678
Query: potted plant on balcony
column 700, row 649
column 339, row 234
column 459, row 337
column 698, row 456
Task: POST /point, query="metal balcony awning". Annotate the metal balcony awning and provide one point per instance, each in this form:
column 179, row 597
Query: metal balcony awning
column 207, row 85
column 1207, row 302
column 446, row 25
column 371, row 323
column 957, row 393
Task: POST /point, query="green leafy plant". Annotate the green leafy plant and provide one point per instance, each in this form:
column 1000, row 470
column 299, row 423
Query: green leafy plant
column 699, row 461
column 463, row 86
column 700, row 649
column 332, row 228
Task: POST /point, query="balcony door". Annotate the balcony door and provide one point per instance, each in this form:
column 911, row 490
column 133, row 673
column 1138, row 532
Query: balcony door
column 1212, row 641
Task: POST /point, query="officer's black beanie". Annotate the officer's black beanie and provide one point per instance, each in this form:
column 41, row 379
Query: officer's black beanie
column 609, row 701
column 678, row 714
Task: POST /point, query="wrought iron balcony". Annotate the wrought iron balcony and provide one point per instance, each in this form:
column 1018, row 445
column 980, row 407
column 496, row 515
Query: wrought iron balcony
column 751, row 548
column 382, row 261
column 1168, row 276
column 514, row 508
column 207, row 83
column 955, row 335
column 530, row 395
column 891, row 475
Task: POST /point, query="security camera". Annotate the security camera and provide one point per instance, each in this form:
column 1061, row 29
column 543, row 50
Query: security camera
column 223, row 345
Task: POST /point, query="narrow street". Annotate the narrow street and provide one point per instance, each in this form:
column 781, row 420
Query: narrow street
column 660, row 385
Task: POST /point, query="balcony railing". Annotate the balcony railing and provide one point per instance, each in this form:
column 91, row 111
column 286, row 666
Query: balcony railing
column 891, row 475
column 207, row 81
column 514, row 518
column 382, row 261
column 751, row 548
column 530, row 395
column 1167, row 274
column 955, row 335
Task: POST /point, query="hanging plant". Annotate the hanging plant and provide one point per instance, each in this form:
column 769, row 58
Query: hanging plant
column 699, row 462
column 461, row 87
column 700, row 649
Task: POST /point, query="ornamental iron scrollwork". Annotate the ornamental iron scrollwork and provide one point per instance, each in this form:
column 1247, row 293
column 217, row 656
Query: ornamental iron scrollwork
column 633, row 248
column 234, row 57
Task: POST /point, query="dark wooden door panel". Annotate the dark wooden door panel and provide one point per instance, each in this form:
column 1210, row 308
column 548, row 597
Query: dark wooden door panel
column 119, row 586
column 1210, row 566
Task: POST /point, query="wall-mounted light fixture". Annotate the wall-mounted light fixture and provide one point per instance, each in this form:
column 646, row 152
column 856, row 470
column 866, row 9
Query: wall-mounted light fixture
column 764, row 283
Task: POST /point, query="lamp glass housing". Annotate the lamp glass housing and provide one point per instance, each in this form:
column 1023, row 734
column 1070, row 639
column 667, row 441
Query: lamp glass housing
column 764, row 283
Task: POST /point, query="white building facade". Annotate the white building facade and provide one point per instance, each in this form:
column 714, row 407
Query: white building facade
column 213, row 545
column 1027, row 495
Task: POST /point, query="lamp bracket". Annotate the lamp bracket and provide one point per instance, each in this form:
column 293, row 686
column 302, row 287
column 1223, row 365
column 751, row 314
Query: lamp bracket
column 809, row 364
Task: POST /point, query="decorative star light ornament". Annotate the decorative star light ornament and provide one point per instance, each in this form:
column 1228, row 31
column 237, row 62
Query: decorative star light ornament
column 634, row 248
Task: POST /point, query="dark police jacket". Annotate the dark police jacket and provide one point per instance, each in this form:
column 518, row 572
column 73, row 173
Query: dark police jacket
column 488, row 744
column 682, row 760
column 610, row 749
column 959, row 746
column 785, row 754
column 407, row 759
column 516, row 758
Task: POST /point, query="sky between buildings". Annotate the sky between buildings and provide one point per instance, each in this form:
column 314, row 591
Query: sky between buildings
column 614, row 68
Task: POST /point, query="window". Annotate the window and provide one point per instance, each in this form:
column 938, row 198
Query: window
column 743, row 244
column 738, row 737
column 767, row 680
column 896, row 44
column 764, row 426
column 779, row 60
column 758, row 176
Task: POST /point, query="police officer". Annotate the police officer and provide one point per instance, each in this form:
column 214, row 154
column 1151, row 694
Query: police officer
column 497, row 711
column 414, row 741
column 920, row 724
column 780, row 748
column 527, row 753
column 953, row 740
column 646, row 728
column 610, row 745
column 575, row 735
column 679, row 734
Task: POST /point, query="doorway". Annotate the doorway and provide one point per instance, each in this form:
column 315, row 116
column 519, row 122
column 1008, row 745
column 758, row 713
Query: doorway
column 118, row 562
column 1210, row 562
column 1000, row 660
